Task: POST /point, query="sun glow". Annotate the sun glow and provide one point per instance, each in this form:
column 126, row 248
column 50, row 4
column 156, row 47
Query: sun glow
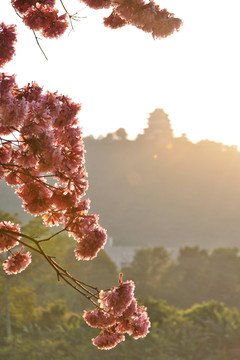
column 121, row 76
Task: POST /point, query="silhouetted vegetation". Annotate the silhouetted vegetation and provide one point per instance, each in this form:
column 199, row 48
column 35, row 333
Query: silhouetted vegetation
column 194, row 276
column 161, row 189
column 164, row 190
column 157, row 192
column 193, row 302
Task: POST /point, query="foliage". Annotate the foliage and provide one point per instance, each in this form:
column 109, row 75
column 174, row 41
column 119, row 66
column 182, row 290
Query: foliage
column 169, row 191
column 40, row 142
column 209, row 331
column 194, row 276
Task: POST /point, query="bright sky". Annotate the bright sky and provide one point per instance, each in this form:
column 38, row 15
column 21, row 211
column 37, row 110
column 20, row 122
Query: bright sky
column 120, row 76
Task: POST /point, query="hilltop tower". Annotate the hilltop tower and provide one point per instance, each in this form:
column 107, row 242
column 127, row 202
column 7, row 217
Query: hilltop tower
column 159, row 126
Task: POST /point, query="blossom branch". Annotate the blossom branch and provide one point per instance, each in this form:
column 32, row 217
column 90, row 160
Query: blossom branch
column 37, row 41
column 50, row 145
column 61, row 272
column 11, row 233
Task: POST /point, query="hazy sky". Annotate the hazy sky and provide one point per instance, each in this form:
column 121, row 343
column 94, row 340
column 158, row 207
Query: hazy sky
column 120, row 76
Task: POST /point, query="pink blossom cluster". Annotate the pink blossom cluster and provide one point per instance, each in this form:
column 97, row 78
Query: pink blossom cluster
column 47, row 145
column 22, row 6
column 8, row 39
column 7, row 237
column 16, row 262
column 117, row 315
column 41, row 15
column 145, row 16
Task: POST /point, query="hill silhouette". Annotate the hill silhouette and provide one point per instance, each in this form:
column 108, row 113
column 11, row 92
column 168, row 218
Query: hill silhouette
column 160, row 189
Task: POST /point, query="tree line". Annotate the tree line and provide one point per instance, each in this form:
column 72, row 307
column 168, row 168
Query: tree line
column 161, row 189
column 192, row 300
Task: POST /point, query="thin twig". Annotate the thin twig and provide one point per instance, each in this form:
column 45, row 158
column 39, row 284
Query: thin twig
column 50, row 237
column 20, row 241
column 80, row 283
column 63, row 274
column 70, row 17
column 36, row 38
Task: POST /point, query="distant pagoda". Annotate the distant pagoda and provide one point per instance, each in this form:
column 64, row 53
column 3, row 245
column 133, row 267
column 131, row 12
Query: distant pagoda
column 159, row 126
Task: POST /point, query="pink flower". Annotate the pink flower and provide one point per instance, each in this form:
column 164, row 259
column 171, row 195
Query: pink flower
column 12, row 178
column 137, row 324
column 131, row 309
column 98, row 318
column 165, row 24
column 62, row 200
column 119, row 315
column 78, row 180
column 39, row 141
column 124, row 326
column 26, row 176
column 8, row 39
column 45, row 18
column 49, row 160
column 7, row 84
column 16, row 263
column 107, row 340
column 116, row 301
column 70, row 136
column 98, row 4
column 53, row 218
column 12, row 111
column 83, row 208
column 79, row 223
column 73, row 157
column 140, row 323
column 36, row 197
column 90, row 244
column 5, row 153
column 8, row 240
column 68, row 112
column 56, row 27
column 25, row 158
column 11, row 115
column 30, row 92
column 23, row 5
column 38, row 17
column 38, row 120
column 148, row 17
column 114, row 21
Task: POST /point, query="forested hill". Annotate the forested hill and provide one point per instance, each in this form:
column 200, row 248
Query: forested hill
column 173, row 194
column 162, row 190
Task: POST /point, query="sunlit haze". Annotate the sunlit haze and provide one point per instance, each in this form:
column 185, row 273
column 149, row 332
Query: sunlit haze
column 120, row 76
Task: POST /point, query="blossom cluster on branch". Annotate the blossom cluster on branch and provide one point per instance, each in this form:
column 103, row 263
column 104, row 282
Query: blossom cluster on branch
column 42, row 15
column 118, row 314
column 40, row 140
column 145, row 16
column 42, row 156
column 9, row 238
column 8, row 39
